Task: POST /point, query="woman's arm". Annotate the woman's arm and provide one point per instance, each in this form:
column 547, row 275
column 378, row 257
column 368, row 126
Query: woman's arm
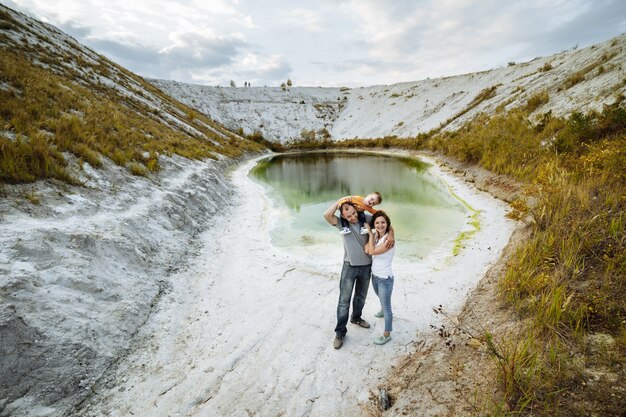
column 382, row 248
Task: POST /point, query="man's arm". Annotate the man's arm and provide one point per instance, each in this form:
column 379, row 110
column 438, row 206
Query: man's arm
column 329, row 214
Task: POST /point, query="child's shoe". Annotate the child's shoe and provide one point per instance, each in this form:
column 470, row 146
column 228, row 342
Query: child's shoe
column 364, row 231
column 344, row 231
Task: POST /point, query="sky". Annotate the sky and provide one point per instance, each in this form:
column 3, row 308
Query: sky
column 329, row 43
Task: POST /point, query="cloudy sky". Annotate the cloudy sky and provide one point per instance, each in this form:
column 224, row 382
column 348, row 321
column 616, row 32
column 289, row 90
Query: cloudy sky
column 326, row 42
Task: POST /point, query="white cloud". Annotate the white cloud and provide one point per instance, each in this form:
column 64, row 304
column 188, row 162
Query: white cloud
column 260, row 69
column 201, row 48
column 329, row 42
column 303, row 19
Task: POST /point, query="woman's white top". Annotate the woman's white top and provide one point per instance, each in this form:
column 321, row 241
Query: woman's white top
column 381, row 264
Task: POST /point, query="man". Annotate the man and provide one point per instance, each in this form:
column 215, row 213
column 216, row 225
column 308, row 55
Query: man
column 356, row 271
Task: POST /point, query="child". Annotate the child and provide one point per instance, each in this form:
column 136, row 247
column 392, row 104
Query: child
column 361, row 204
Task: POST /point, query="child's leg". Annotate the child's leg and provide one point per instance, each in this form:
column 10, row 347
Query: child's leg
column 361, row 217
column 344, row 222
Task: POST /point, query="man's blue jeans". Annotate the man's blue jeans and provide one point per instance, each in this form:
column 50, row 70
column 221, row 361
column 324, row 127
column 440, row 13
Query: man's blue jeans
column 383, row 287
column 355, row 278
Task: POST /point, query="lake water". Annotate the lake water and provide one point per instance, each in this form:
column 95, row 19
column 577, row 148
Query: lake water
column 302, row 186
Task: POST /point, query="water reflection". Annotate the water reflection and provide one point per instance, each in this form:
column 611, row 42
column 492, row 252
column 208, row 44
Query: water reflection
column 310, row 178
column 424, row 214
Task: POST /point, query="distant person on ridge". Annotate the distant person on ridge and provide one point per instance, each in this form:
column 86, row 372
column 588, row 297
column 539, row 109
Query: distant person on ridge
column 356, row 270
column 361, row 204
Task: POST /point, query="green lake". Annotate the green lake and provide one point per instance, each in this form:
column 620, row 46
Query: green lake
column 302, row 186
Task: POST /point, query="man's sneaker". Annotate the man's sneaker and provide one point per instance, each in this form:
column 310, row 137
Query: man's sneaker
column 364, row 231
column 379, row 314
column 338, row 342
column 382, row 340
column 344, row 231
column 361, row 322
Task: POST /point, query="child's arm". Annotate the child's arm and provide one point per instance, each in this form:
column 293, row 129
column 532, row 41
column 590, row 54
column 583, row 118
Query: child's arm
column 346, row 199
column 370, row 246
column 370, row 209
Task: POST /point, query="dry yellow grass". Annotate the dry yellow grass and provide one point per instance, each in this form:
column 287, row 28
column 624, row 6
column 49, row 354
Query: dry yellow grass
column 55, row 100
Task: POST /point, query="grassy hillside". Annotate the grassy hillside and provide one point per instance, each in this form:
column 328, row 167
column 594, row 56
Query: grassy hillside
column 58, row 99
column 569, row 278
column 567, row 283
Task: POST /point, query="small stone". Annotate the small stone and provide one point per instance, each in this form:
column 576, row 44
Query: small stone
column 383, row 399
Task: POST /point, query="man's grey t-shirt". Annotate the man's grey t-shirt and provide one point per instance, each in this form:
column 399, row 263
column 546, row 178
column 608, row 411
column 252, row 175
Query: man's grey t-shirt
column 354, row 242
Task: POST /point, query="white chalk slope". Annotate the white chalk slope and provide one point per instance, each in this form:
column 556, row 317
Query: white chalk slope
column 407, row 109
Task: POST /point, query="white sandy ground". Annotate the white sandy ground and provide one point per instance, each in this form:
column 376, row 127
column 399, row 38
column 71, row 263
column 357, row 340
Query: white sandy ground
column 248, row 329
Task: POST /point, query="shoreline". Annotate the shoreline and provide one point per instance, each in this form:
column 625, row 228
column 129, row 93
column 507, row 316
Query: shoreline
column 453, row 379
column 248, row 328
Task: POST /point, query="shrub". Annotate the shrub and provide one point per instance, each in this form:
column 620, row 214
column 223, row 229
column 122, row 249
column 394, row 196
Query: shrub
column 86, row 153
column 537, row 100
column 546, row 67
column 137, row 169
column 574, row 79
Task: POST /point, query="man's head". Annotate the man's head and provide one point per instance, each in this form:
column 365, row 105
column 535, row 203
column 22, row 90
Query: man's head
column 348, row 212
column 373, row 198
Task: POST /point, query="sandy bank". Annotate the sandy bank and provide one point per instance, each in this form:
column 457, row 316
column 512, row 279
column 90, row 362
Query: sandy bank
column 248, row 329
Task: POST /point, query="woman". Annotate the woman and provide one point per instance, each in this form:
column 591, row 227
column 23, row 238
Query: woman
column 382, row 274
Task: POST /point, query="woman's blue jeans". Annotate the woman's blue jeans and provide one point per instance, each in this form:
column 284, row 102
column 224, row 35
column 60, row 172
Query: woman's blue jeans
column 383, row 287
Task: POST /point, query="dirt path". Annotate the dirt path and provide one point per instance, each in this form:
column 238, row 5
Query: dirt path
column 247, row 329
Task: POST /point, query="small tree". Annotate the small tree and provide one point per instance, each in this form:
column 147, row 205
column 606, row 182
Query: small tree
column 232, row 83
column 308, row 135
column 283, row 86
column 289, row 83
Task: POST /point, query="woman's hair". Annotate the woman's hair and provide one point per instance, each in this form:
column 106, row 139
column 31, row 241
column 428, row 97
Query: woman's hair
column 378, row 214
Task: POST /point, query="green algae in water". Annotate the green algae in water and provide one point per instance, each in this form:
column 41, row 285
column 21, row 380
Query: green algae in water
column 424, row 214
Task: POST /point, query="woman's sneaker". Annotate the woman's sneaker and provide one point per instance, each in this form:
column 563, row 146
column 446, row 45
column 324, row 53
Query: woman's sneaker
column 382, row 340
column 379, row 314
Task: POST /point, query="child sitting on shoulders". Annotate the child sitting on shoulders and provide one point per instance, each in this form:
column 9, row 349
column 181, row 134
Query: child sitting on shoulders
column 361, row 204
